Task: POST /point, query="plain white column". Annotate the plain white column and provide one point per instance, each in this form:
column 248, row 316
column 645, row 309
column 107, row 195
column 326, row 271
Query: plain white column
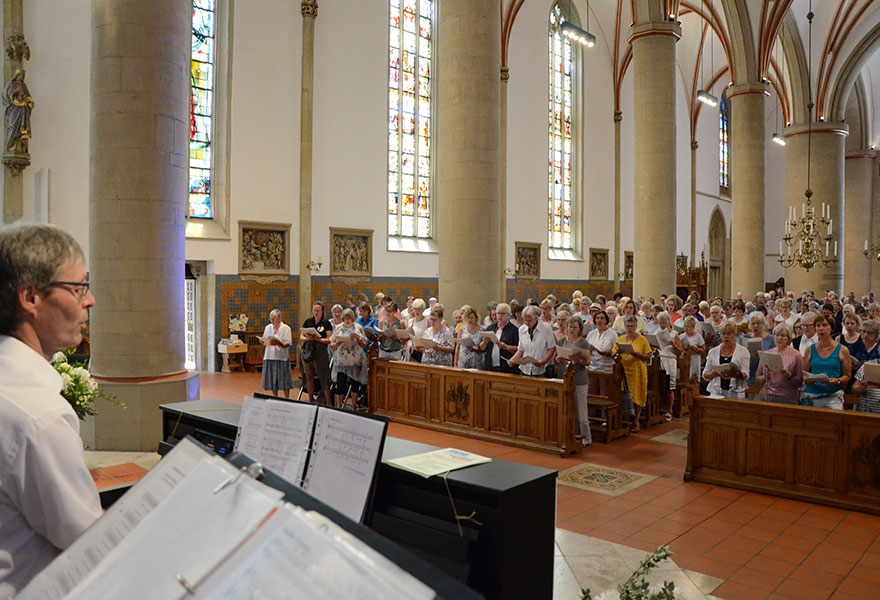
column 857, row 221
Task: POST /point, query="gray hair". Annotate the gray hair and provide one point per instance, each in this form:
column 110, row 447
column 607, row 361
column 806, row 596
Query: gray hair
column 532, row 311
column 503, row 307
column 30, row 255
column 274, row 313
column 630, row 319
column 418, row 304
column 663, row 316
column 808, row 318
column 348, row 313
column 335, row 307
column 690, row 320
column 727, row 327
column 757, row 316
column 784, row 328
column 872, row 325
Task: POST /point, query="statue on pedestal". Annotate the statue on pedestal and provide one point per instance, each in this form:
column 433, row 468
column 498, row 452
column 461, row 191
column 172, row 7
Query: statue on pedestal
column 19, row 104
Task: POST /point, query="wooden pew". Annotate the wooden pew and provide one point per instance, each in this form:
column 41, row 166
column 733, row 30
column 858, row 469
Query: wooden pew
column 528, row 412
column 684, row 386
column 811, row 454
column 606, row 419
column 651, row 414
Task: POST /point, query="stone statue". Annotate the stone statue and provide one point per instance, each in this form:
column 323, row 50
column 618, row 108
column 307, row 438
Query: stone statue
column 19, row 104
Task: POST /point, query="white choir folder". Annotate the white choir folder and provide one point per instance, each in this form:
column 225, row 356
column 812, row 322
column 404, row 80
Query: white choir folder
column 332, row 454
column 198, row 526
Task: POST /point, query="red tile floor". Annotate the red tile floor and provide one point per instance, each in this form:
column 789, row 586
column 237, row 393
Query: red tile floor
column 762, row 546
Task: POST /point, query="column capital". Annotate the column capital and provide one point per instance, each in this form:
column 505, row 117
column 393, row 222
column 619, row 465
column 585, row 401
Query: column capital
column 618, row 116
column 505, row 73
column 747, row 88
column 694, row 144
column 817, row 128
column 309, row 8
column 657, row 28
column 864, row 153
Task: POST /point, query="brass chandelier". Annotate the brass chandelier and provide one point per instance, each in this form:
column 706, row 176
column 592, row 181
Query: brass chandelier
column 801, row 246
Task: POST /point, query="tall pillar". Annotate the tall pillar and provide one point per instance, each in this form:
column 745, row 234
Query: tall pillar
column 654, row 219
column 502, row 199
column 468, row 156
column 138, row 150
column 694, row 146
column 747, row 186
column 857, row 221
column 875, row 225
column 14, row 163
column 309, row 10
column 618, row 258
column 826, row 179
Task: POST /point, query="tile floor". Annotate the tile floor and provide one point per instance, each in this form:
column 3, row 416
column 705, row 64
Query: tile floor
column 728, row 543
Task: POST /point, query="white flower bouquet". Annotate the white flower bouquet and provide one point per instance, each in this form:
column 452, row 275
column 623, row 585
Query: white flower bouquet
column 78, row 386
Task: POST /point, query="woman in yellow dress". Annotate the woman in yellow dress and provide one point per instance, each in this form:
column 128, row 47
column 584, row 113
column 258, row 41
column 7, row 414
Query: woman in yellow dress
column 635, row 365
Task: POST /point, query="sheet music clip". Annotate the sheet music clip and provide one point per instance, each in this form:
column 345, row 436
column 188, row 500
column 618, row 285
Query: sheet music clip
column 254, row 470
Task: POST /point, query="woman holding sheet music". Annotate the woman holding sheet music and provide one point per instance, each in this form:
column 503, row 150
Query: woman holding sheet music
column 727, row 381
column 350, row 361
column 313, row 351
column 757, row 331
column 276, row 358
column 443, row 340
column 468, row 354
column 390, row 346
column 573, row 340
column 635, row 365
column 601, row 341
column 782, row 386
column 831, row 359
column 693, row 341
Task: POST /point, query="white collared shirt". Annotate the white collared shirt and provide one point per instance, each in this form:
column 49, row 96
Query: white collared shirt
column 806, row 342
column 47, row 497
column 536, row 345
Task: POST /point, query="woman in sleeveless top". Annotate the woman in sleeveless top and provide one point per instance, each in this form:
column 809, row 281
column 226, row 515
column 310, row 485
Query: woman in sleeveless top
column 469, row 358
column 829, row 358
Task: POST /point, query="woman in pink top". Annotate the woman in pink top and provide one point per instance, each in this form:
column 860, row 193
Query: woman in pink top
column 783, row 387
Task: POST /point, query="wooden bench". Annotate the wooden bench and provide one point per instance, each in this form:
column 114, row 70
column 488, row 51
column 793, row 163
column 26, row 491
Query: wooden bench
column 606, row 418
column 684, row 386
column 806, row 453
column 527, row 412
column 651, row 414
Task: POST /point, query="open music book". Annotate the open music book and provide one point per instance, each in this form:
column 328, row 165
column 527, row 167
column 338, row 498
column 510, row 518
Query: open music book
column 771, row 360
column 491, row 336
column 331, row 454
column 566, row 352
column 728, row 369
column 195, row 526
column 271, row 340
column 753, row 345
column 872, row 372
column 811, row 378
column 424, row 343
column 466, row 342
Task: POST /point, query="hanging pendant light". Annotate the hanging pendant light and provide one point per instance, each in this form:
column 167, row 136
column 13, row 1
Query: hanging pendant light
column 702, row 95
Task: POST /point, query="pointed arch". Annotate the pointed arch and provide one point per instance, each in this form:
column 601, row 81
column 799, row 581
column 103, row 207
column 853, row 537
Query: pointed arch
column 719, row 255
column 850, row 70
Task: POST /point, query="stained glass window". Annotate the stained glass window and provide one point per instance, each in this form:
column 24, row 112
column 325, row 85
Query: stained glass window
column 201, row 108
column 723, row 144
column 409, row 118
column 559, row 197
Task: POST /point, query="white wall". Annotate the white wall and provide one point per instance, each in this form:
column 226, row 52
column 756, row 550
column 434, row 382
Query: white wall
column 350, row 125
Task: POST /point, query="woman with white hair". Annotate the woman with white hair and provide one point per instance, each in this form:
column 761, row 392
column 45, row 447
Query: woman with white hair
column 727, row 352
column 418, row 323
column 693, row 342
column 785, row 315
column 277, row 338
column 536, row 342
column 783, row 387
column 670, row 348
column 349, row 361
column 635, row 367
column 757, row 331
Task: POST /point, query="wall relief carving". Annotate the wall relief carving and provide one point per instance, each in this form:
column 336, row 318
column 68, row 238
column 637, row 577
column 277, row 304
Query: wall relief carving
column 351, row 254
column 528, row 261
column 264, row 248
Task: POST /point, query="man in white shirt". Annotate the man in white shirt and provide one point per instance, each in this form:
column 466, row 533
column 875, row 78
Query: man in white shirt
column 808, row 337
column 47, row 497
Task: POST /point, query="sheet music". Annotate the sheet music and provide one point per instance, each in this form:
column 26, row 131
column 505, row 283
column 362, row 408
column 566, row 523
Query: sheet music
column 491, row 335
column 345, row 452
column 566, row 352
column 193, row 516
column 302, row 555
column 624, row 348
column 708, row 328
column 84, row 555
column 729, row 369
column 872, row 372
column 811, row 378
column 771, row 360
column 276, row 433
column 426, row 343
column 652, row 340
column 753, row 345
column 466, row 342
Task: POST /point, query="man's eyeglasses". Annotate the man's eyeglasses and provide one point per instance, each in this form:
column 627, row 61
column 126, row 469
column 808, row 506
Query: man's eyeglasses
column 81, row 288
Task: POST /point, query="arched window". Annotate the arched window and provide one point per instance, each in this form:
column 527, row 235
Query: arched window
column 207, row 207
column 561, row 214
column 723, row 143
column 409, row 118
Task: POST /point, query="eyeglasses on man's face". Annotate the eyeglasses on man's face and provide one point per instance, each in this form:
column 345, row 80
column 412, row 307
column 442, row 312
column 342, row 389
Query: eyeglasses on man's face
column 80, row 288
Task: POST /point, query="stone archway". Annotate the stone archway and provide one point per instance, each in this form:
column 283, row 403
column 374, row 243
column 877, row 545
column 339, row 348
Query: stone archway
column 719, row 257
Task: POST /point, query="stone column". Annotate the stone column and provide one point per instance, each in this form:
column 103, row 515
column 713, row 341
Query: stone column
column 857, row 221
column 137, row 206
column 618, row 257
column 826, row 180
column 502, row 200
column 17, row 52
column 694, row 146
column 875, row 225
column 654, row 217
column 309, row 10
column 747, row 187
column 468, row 156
